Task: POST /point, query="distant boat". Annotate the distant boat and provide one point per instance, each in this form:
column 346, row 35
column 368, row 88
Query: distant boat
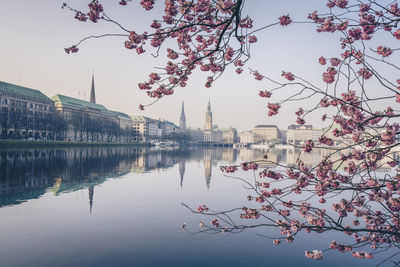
column 239, row 145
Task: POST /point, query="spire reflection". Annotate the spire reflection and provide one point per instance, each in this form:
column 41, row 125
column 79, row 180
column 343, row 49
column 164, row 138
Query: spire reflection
column 91, row 193
column 207, row 158
column 182, row 163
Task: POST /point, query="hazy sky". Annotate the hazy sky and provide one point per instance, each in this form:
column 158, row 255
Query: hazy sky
column 35, row 33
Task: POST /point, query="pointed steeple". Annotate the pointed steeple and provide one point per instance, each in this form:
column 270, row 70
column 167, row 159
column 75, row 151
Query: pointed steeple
column 92, row 93
column 208, row 124
column 182, row 121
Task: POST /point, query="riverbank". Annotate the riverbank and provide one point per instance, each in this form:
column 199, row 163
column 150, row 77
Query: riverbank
column 25, row 143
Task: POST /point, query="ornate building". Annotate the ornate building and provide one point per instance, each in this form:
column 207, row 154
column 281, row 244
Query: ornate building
column 196, row 135
column 25, row 113
column 88, row 121
column 208, row 125
column 214, row 134
column 229, row 136
column 146, row 129
column 182, row 121
column 267, row 133
column 298, row 134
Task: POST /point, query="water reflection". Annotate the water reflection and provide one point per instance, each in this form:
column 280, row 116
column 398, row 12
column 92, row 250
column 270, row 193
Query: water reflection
column 136, row 210
column 28, row 174
column 182, row 163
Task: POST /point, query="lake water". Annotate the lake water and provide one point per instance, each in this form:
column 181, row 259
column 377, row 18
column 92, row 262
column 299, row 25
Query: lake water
column 122, row 206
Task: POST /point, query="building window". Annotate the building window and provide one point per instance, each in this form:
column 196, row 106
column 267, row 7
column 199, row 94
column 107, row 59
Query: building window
column 5, row 102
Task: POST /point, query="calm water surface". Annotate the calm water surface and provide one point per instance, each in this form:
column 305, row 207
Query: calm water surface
column 122, row 207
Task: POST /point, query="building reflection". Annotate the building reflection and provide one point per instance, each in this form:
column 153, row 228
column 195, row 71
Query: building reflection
column 207, row 158
column 309, row 159
column 28, row 174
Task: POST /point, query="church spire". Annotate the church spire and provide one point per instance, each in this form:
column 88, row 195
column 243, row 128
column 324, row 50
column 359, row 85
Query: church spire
column 182, row 121
column 208, row 124
column 92, row 93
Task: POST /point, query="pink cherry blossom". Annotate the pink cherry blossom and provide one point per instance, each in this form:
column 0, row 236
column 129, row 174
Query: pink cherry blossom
column 285, row 20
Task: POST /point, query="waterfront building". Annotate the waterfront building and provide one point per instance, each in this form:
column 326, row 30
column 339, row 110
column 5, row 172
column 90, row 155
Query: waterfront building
column 146, row 129
column 169, row 129
column 249, row 137
column 267, row 133
column 182, row 120
column 125, row 124
column 25, row 113
column 229, row 136
column 345, row 140
column 86, row 121
column 216, row 135
column 316, row 134
column 196, row 135
column 299, row 134
column 124, row 120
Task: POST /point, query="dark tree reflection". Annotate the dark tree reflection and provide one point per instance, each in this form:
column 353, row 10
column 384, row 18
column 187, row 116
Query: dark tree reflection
column 29, row 173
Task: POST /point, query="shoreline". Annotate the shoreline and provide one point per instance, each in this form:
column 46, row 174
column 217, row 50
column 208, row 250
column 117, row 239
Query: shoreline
column 25, row 143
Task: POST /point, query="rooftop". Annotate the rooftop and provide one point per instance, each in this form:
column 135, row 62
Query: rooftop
column 78, row 103
column 142, row 119
column 121, row 114
column 266, row 126
column 170, row 123
column 20, row 90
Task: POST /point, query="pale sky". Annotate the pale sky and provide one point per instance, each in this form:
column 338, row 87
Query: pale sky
column 35, row 33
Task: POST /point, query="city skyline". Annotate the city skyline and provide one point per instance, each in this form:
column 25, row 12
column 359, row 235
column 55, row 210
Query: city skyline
column 42, row 63
column 209, row 127
column 92, row 100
